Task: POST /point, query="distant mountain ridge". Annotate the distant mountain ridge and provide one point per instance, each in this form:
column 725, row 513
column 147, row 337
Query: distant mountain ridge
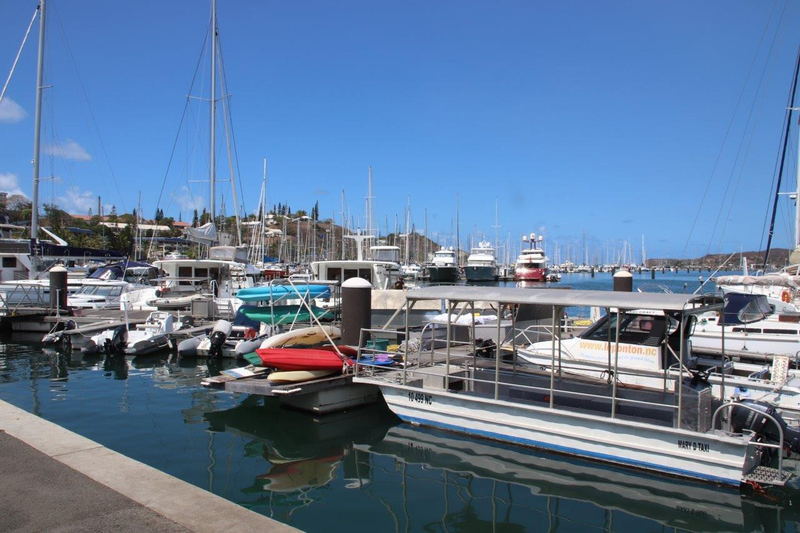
column 778, row 258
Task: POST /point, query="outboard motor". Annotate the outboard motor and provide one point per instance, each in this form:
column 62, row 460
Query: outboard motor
column 118, row 340
column 746, row 419
column 218, row 336
column 56, row 335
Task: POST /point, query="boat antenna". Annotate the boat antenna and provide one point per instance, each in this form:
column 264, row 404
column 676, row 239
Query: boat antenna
column 789, row 111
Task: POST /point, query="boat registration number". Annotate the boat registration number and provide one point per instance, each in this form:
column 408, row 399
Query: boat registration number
column 692, row 445
column 418, row 397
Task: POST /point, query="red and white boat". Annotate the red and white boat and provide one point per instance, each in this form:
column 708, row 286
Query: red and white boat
column 531, row 264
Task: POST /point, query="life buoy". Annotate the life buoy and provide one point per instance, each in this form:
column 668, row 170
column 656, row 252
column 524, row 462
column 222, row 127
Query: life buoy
column 250, row 334
column 785, row 296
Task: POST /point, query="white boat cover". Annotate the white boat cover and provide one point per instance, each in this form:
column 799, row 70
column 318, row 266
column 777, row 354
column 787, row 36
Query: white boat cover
column 779, row 280
column 205, row 234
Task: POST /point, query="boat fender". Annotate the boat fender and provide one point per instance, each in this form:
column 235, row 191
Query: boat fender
column 158, row 293
column 785, row 296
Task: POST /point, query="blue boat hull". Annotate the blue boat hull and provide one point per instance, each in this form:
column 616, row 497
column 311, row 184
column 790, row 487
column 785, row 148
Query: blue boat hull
column 480, row 273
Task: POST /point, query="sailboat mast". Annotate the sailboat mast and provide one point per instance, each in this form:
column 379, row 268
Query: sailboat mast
column 370, row 210
column 213, row 140
column 38, row 127
column 789, row 110
column 458, row 236
column 797, row 206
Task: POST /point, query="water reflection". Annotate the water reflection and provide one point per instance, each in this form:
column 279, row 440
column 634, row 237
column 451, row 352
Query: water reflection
column 301, row 451
column 555, row 484
column 311, row 471
column 428, row 479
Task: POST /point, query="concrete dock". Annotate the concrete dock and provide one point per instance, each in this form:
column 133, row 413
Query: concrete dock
column 54, row 479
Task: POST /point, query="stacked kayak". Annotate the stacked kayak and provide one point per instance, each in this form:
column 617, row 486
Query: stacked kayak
column 301, row 359
column 303, row 337
column 283, row 314
column 297, row 376
column 275, row 292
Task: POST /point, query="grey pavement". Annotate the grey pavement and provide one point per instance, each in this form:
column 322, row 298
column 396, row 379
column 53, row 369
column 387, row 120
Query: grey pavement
column 38, row 493
column 52, row 479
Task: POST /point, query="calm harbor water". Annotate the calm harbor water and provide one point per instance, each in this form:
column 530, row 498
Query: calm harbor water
column 361, row 470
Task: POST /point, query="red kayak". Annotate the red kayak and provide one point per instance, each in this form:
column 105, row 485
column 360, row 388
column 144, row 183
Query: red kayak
column 300, row 359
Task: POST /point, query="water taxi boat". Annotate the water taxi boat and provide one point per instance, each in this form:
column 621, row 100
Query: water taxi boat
column 679, row 429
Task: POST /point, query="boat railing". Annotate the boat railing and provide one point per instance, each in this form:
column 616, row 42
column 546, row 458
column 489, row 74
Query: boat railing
column 423, row 365
column 22, row 296
column 729, row 429
column 534, row 333
column 373, row 351
column 468, row 362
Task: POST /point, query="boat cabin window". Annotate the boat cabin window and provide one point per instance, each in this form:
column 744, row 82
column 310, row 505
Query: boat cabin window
column 201, row 272
column 386, row 255
column 184, row 272
column 634, row 329
column 334, row 274
column 9, row 262
column 364, row 273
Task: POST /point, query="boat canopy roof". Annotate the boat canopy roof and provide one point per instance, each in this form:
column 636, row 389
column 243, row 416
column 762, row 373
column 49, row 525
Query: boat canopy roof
column 567, row 298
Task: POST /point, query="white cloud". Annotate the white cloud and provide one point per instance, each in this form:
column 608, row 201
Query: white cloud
column 10, row 183
column 68, row 150
column 10, row 111
column 188, row 201
column 77, row 202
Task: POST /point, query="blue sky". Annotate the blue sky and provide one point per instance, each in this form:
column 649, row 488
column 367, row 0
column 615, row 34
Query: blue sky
column 598, row 117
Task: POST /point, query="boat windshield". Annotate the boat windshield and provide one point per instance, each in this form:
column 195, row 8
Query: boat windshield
column 634, row 329
column 100, row 290
column 386, row 255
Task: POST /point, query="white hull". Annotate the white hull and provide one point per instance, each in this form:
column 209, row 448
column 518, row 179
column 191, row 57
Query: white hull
column 714, row 458
column 787, row 343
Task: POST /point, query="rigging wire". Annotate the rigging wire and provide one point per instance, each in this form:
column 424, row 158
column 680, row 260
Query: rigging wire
column 743, row 164
column 19, row 53
column 744, row 132
column 183, row 118
column 789, row 111
column 180, row 127
column 224, row 73
column 728, row 130
column 89, row 107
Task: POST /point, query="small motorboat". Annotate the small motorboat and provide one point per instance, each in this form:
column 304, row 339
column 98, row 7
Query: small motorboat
column 145, row 338
column 152, row 335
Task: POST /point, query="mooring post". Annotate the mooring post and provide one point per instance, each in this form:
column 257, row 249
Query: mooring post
column 356, row 310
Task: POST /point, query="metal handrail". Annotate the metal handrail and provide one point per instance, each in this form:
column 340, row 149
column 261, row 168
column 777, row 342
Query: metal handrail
column 419, row 370
column 362, row 348
column 779, row 446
